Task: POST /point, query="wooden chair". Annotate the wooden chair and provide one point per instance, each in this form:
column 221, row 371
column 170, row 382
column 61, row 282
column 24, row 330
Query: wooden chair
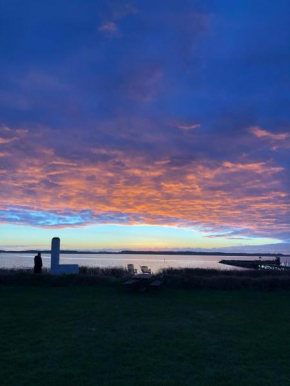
column 131, row 269
column 145, row 269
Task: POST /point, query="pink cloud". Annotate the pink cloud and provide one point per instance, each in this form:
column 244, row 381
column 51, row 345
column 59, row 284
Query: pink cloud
column 257, row 167
column 277, row 141
column 4, row 154
column 188, row 127
column 110, row 28
column 121, row 183
column 260, row 133
column 6, row 140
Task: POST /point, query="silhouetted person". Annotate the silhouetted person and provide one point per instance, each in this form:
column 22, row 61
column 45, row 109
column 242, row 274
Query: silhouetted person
column 38, row 263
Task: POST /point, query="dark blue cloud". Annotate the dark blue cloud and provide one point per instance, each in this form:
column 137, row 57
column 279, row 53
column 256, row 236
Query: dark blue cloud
column 217, row 62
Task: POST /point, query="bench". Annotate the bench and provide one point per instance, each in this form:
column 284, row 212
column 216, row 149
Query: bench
column 130, row 282
column 142, row 284
column 156, row 283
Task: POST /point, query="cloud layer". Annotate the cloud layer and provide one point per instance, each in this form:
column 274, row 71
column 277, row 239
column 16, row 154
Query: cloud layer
column 146, row 113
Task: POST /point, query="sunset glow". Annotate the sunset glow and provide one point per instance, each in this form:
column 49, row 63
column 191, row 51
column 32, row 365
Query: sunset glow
column 145, row 125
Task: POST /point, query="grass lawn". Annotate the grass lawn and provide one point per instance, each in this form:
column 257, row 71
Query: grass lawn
column 103, row 336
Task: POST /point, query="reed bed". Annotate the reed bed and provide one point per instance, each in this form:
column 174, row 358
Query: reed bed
column 188, row 278
column 192, row 278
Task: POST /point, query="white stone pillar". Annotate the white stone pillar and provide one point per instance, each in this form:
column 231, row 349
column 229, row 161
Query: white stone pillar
column 55, row 250
column 55, row 267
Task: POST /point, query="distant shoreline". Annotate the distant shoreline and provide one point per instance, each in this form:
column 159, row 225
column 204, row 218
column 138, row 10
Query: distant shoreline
column 129, row 252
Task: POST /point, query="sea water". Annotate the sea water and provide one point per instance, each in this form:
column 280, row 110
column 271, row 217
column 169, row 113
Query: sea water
column 154, row 262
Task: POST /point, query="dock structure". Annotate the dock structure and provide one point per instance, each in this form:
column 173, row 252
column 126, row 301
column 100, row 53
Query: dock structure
column 257, row 264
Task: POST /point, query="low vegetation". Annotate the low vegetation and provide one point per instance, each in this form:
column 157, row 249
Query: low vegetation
column 227, row 279
column 189, row 278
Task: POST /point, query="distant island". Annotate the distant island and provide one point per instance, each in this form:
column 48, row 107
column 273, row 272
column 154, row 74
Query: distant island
column 129, row 252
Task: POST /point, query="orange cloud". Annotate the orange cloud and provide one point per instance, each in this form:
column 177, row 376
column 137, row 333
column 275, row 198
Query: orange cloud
column 116, row 186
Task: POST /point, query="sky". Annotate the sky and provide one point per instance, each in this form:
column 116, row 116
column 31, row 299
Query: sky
column 144, row 124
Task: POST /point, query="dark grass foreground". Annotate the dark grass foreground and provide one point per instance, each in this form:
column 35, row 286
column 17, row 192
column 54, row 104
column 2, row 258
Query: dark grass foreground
column 189, row 278
column 103, row 336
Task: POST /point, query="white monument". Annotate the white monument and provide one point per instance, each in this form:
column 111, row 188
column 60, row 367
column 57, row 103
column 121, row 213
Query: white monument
column 56, row 268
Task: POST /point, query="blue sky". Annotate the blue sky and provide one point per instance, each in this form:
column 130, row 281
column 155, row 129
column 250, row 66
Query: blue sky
column 149, row 124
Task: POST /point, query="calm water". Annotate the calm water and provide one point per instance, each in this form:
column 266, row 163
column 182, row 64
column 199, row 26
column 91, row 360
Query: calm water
column 155, row 262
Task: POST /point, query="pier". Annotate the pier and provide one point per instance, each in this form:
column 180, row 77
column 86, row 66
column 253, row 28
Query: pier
column 257, row 264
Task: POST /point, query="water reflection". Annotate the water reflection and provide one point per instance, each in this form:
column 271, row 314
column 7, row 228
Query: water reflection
column 155, row 262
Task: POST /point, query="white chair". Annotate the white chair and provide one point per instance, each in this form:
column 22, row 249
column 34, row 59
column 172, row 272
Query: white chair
column 145, row 269
column 131, row 269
